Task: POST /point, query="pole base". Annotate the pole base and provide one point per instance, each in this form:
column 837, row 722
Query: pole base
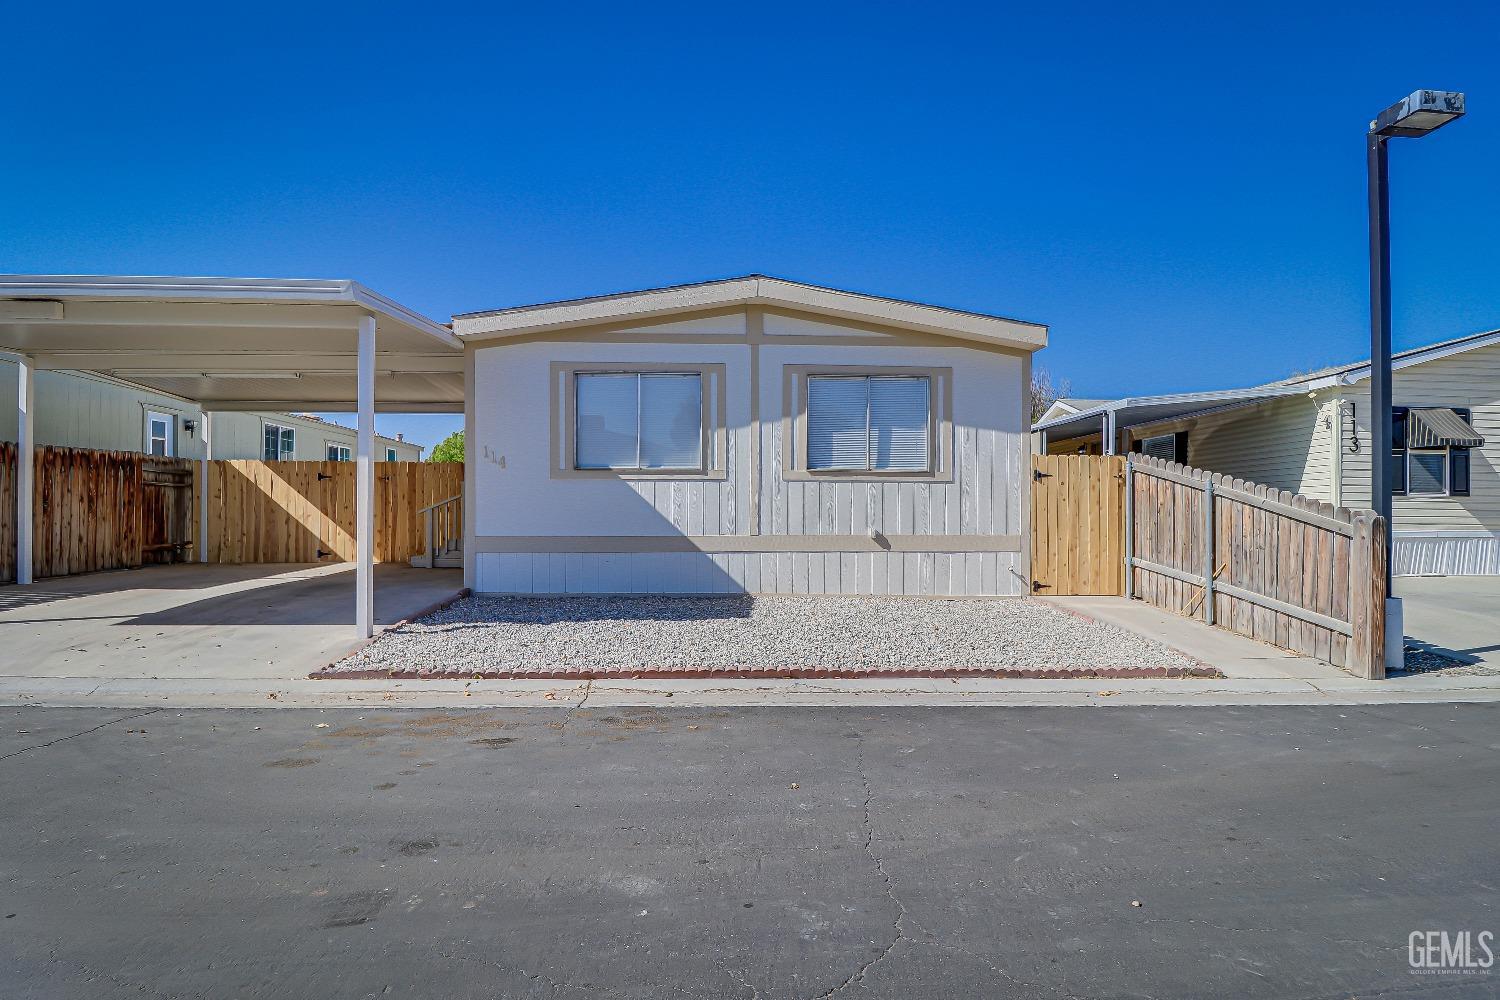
column 1395, row 635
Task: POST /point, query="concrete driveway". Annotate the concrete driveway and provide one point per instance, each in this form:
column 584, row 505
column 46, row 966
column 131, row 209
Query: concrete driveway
column 201, row 621
column 1458, row 615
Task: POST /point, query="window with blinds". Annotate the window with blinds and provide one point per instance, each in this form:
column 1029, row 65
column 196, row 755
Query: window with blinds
column 869, row 423
column 638, row 421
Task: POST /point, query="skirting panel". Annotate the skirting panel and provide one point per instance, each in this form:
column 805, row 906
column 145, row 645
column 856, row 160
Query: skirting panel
column 1452, row 555
column 927, row 574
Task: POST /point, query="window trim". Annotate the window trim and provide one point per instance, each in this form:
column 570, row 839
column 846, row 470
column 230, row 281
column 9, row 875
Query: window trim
column 794, row 424
column 279, row 428
column 390, row 455
column 327, row 445
column 1447, row 454
column 714, row 444
column 170, row 441
column 1401, row 457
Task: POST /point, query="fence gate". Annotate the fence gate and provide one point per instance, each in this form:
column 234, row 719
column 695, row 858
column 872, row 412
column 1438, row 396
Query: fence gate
column 1077, row 525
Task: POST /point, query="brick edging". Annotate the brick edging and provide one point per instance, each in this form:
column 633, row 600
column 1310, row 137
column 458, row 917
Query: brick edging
column 431, row 609
column 771, row 672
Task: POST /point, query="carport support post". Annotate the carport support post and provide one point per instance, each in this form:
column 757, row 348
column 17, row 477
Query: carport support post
column 364, row 485
column 25, row 465
column 208, row 448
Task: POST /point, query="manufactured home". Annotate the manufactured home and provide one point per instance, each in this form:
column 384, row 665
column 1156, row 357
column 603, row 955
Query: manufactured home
column 748, row 435
column 78, row 409
column 1310, row 434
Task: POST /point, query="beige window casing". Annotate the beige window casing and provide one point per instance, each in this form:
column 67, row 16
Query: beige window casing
column 939, row 424
column 564, row 419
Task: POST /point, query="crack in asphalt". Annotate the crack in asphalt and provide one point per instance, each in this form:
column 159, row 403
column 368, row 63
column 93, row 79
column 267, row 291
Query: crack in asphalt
column 897, row 929
column 64, row 739
column 588, row 689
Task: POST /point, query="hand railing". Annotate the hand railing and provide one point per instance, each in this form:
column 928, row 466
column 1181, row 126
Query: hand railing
column 443, row 525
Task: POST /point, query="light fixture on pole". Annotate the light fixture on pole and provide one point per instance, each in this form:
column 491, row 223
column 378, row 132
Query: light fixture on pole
column 1415, row 116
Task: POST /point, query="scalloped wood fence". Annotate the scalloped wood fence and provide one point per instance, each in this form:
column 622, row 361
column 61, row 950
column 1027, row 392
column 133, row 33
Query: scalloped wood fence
column 1263, row 563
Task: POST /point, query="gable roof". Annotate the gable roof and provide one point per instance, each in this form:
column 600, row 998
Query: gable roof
column 750, row 290
column 1356, row 371
column 1129, row 411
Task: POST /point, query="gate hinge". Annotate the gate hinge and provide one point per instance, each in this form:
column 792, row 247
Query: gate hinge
column 323, row 475
column 1038, row 585
column 1037, row 475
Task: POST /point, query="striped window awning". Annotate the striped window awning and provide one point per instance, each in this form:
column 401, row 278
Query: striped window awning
column 1439, row 428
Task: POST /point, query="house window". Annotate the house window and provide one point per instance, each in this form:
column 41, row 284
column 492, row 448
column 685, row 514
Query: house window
column 1167, row 447
column 638, row 421
column 280, row 443
column 390, row 454
column 338, row 452
column 1430, row 451
column 869, row 423
column 159, row 436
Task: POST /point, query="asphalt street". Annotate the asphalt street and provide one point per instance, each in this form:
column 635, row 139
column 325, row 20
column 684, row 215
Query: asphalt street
column 746, row 853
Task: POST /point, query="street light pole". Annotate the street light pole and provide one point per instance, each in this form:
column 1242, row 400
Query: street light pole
column 1380, row 337
column 1423, row 112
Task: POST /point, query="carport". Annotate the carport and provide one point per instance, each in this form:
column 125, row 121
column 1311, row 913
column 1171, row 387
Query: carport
column 233, row 344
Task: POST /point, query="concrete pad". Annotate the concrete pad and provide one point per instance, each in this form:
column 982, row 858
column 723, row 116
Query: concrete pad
column 1458, row 616
column 200, row 621
column 1236, row 656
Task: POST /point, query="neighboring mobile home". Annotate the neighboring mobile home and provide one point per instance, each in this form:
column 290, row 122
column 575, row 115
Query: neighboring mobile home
column 1310, row 434
column 746, row 435
column 93, row 410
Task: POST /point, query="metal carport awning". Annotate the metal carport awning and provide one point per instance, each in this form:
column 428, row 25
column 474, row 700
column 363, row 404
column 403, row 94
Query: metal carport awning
column 233, row 344
column 1110, row 417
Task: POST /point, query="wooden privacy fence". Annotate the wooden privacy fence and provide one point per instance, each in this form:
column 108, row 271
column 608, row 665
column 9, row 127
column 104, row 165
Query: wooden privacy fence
column 1264, row 563
column 263, row 512
column 97, row 510
column 1077, row 512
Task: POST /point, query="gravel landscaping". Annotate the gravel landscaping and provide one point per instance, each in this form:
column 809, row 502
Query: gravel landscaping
column 586, row 636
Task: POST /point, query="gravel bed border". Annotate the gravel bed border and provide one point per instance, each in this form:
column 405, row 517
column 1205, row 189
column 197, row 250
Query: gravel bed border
column 331, row 672
column 402, row 651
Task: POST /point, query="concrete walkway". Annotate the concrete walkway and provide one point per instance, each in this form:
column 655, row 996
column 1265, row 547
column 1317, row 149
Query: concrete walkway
column 200, row 622
column 1456, row 615
column 241, row 637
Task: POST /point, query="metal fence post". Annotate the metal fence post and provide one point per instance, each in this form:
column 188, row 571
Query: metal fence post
column 1208, row 551
column 1129, row 528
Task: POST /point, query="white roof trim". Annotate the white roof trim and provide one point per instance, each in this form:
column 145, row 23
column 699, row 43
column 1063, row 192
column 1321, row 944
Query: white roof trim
column 751, row 290
column 297, row 291
column 1219, row 395
column 1421, row 355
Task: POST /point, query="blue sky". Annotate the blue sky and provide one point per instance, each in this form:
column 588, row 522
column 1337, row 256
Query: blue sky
column 1178, row 193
